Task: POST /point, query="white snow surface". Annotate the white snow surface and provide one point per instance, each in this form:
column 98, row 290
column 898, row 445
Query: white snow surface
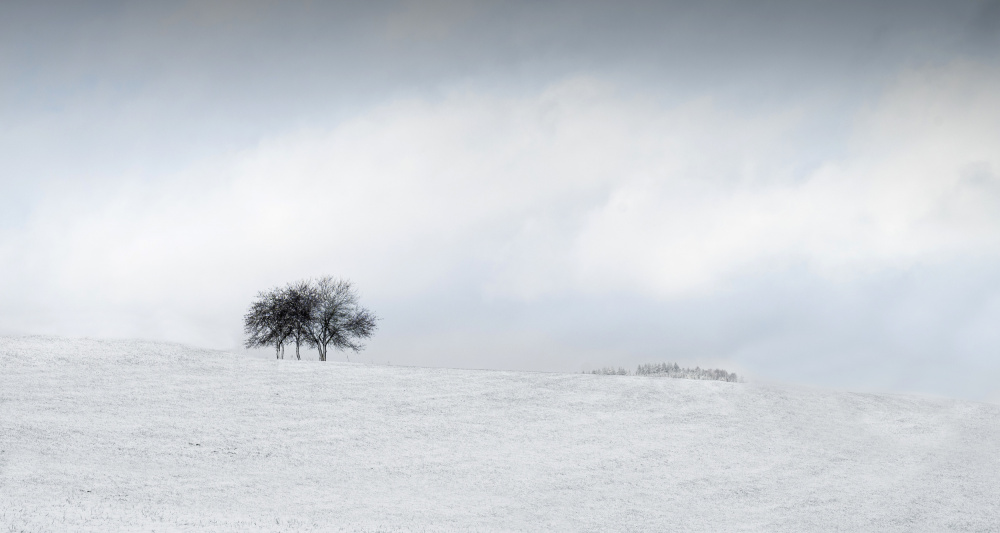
column 141, row 436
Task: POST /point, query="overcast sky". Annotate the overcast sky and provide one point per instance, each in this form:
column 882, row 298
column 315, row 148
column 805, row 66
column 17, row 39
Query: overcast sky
column 805, row 192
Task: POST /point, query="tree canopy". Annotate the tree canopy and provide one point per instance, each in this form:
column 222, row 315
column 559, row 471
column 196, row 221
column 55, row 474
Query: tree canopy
column 318, row 313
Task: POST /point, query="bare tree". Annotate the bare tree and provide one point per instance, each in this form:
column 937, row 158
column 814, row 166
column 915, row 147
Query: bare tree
column 336, row 317
column 318, row 313
column 298, row 303
column 266, row 323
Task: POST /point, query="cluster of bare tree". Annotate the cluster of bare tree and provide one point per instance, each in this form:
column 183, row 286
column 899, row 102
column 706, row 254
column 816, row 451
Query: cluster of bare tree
column 316, row 313
column 672, row 371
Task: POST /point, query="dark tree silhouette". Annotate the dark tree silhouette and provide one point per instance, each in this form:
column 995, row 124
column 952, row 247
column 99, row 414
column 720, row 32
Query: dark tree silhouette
column 266, row 323
column 298, row 304
column 336, row 318
column 318, row 313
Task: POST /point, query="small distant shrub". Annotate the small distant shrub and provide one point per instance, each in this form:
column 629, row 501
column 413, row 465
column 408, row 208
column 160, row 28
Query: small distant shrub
column 674, row 371
column 611, row 371
column 671, row 370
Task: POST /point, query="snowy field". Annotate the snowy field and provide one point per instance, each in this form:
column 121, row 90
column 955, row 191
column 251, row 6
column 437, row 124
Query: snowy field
column 137, row 436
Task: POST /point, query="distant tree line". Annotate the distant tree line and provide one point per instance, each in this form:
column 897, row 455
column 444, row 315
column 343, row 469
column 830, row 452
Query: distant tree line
column 671, row 370
column 315, row 313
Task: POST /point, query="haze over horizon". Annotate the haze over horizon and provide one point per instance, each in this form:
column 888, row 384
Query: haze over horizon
column 806, row 192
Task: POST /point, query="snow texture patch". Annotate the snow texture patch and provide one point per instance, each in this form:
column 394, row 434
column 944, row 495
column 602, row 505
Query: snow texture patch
column 129, row 435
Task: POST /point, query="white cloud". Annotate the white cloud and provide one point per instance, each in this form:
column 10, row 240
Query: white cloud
column 579, row 189
column 919, row 183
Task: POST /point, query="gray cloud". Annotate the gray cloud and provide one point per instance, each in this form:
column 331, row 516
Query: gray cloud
column 804, row 191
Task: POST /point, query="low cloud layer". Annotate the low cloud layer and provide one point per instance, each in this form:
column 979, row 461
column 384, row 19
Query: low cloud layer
column 798, row 192
column 506, row 231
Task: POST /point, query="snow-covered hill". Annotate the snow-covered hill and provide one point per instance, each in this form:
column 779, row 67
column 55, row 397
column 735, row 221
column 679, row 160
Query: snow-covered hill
column 127, row 435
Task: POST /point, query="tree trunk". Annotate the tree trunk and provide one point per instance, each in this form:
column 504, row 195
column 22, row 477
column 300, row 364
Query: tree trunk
column 322, row 351
column 297, row 344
